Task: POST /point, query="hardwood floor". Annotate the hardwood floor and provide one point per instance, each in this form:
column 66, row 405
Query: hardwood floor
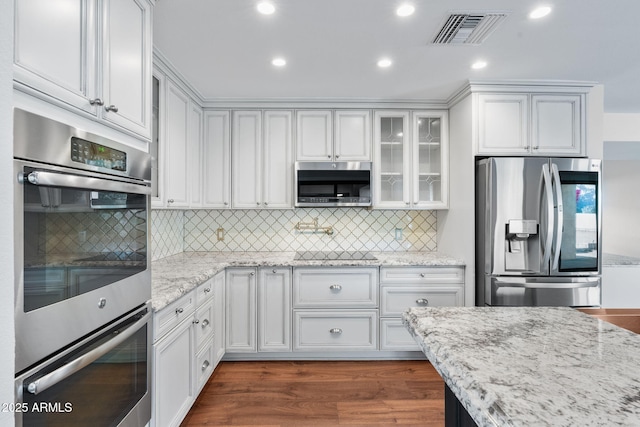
column 322, row 393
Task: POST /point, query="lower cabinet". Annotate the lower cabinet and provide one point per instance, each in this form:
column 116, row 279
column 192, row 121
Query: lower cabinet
column 187, row 347
column 258, row 310
column 403, row 287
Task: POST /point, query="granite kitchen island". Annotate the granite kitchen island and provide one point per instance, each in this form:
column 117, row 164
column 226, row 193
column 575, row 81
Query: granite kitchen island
column 531, row 366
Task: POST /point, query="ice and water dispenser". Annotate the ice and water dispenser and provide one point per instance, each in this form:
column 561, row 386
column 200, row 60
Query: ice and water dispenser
column 521, row 237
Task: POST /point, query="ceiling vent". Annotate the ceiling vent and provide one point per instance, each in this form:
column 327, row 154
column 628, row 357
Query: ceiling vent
column 468, row 28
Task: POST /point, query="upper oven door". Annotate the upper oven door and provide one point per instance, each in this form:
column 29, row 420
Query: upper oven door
column 81, row 253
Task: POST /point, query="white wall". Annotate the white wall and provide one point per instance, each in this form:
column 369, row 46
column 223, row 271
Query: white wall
column 456, row 226
column 7, row 338
column 620, row 183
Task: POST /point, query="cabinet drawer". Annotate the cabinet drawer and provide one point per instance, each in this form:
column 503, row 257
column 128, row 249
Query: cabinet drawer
column 204, row 292
column 394, row 300
column 170, row 316
column 205, row 364
column 331, row 330
column 203, row 324
column 394, row 336
column 335, row 287
column 415, row 275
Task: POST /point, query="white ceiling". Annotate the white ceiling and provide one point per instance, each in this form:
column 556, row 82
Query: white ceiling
column 224, row 48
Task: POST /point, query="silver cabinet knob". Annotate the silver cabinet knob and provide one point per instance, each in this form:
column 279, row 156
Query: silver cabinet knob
column 205, row 365
column 329, row 156
column 179, row 310
column 422, row 301
column 226, row 203
column 337, row 156
column 207, row 290
column 335, row 287
column 111, row 108
column 421, row 274
column 96, row 101
column 170, row 201
column 258, row 203
column 266, row 204
column 205, row 323
column 274, row 271
column 252, row 274
column 335, row 331
column 196, row 321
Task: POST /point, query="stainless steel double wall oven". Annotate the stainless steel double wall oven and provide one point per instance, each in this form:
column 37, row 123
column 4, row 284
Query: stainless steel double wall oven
column 83, row 283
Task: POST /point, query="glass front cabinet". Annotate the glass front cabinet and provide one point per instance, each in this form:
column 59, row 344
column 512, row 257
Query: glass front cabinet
column 411, row 160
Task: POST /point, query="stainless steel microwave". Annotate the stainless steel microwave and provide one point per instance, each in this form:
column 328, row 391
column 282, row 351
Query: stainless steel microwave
column 332, row 184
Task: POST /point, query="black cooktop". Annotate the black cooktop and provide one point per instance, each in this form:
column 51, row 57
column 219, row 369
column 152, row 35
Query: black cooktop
column 334, row 255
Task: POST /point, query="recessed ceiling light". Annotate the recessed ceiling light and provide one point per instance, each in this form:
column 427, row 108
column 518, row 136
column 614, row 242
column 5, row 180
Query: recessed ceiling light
column 266, row 8
column 279, row 62
column 540, row 12
column 384, row 63
column 405, row 9
column 478, row 65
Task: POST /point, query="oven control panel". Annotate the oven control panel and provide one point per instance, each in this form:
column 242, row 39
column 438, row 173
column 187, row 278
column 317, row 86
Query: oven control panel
column 90, row 153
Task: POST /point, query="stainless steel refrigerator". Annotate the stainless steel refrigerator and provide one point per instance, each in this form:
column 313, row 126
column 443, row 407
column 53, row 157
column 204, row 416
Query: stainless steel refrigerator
column 538, row 232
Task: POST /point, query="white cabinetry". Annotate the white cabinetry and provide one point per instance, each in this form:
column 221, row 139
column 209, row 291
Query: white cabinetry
column 173, row 362
column 411, row 159
column 404, row 287
column 216, row 154
column 536, row 124
column 263, row 294
column 321, row 138
column 335, row 309
column 274, row 309
column 90, row 56
column 262, row 159
column 185, row 350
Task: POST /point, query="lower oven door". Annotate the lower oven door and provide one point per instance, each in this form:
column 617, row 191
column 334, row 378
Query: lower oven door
column 102, row 381
column 544, row 291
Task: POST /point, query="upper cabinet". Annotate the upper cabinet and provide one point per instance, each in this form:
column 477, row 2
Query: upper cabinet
column 261, row 152
column 531, row 124
column 411, row 159
column 88, row 56
column 327, row 135
column 216, row 155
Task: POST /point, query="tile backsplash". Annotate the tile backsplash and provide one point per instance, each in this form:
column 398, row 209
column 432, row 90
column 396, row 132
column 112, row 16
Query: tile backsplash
column 175, row 231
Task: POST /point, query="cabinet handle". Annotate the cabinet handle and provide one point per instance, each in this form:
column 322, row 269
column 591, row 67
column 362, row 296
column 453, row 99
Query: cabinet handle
column 207, row 290
column 335, row 287
column 335, row 331
column 337, row 156
column 170, row 201
column 205, row 365
column 258, row 203
column 179, row 310
column 421, row 274
column 205, row 323
column 266, row 204
column 252, row 274
column 111, row 108
column 535, row 147
column 196, row 321
column 422, row 301
column 226, row 204
column 329, row 156
column 96, row 101
column 274, row 271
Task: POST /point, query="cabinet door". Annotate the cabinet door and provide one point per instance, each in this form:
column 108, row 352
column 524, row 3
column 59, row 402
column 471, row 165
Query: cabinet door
column 216, row 153
column 240, row 294
column 175, row 159
column 274, row 309
column 246, row 155
column 173, row 380
column 277, row 177
column 430, row 160
column 392, row 156
column 218, row 317
column 352, row 135
column 194, row 155
column 55, row 49
column 503, row 124
column 314, row 136
column 126, row 64
column 557, row 125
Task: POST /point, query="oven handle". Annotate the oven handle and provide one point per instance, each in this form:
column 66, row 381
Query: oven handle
column 77, row 181
column 52, row 378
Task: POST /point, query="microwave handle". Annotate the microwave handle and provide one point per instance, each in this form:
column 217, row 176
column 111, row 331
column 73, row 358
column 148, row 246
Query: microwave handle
column 52, row 378
column 77, row 181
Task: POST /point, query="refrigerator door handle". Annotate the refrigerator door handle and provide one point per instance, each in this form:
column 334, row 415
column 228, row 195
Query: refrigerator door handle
column 557, row 186
column 548, row 285
column 547, row 190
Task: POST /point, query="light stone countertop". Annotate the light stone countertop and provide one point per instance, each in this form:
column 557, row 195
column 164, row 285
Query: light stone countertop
column 176, row 275
column 533, row 366
column 613, row 260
